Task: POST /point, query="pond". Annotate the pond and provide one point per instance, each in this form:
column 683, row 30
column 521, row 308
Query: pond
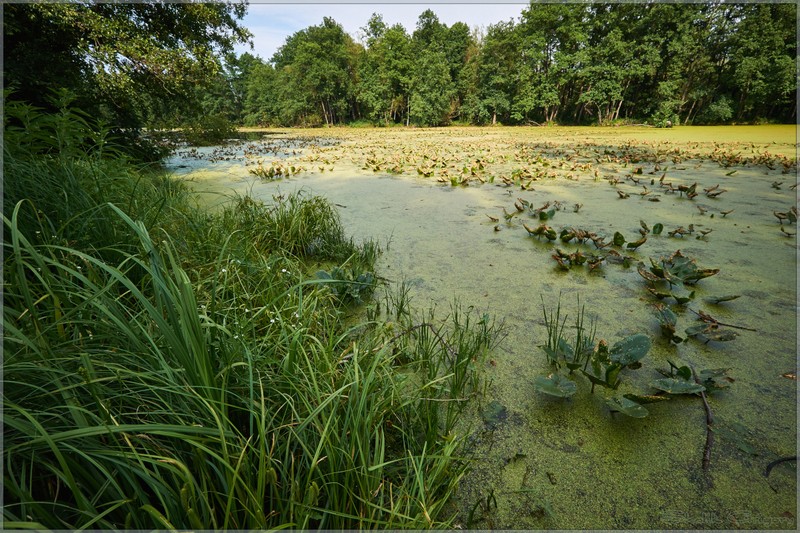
column 454, row 209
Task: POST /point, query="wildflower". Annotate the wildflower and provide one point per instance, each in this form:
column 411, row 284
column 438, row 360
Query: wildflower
column 224, row 270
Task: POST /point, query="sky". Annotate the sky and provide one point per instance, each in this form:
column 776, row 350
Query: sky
column 272, row 23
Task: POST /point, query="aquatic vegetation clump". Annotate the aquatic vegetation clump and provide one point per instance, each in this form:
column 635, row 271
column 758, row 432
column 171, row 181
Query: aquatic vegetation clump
column 603, row 365
column 276, row 170
column 667, row 276
column 597, row 362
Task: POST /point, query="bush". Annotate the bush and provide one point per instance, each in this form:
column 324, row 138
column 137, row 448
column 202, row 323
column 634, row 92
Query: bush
column 718, row 112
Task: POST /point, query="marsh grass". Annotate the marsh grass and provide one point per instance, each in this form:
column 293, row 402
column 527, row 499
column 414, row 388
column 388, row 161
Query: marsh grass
column 184, row 370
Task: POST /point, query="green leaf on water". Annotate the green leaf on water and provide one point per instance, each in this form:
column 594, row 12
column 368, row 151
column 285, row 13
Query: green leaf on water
column 555, row 385
column 696, row 330
column 634, row 245
column 603, row 374
column 718, row 299
column 626, row 407
column 658, row 228
column 619, row 239
column 677, row 386
column 630, row 349
column 547, row 215
column 714, row 378
column 721, row 335
column 646, row 398
column 494, row 414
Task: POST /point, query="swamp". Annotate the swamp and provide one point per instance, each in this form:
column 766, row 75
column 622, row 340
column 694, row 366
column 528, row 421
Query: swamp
column 627, row 212
column 535, row 273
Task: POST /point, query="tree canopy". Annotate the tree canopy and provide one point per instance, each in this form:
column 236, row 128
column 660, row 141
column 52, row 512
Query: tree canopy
column 561, row 62
column 166, row 64
column 124, row 62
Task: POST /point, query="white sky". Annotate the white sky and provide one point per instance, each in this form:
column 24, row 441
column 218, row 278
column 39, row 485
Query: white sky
column 272, row 23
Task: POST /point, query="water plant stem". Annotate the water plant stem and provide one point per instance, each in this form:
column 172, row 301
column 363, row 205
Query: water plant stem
column 709, row 430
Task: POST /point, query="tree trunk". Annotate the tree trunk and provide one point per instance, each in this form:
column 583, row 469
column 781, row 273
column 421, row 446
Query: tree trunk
column 494, row 118
column 689, row 114
column 324, row 112
column 619, row 106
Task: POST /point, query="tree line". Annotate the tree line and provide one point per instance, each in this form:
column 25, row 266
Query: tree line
column 583, row 63
column 166, row 65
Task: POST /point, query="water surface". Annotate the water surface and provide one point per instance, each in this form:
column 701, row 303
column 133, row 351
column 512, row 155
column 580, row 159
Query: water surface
column 570, row 464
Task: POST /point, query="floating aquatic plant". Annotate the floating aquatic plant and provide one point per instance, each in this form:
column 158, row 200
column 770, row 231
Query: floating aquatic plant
column 667, row 319
column 597, row 362
column 676, row 268
column 348, row 285
column 712, row 329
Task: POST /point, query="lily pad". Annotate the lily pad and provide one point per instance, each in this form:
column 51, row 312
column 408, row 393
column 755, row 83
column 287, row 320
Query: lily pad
column 556, row 385
column 636, row 244
column 714, row 378
column 646, row 398
column 563, row 350
column 679, row 268
column 630, row 349
column 721, row 335
column 494, row 414
column 626, row 407
column 677, row 386
column 697, row 330
column 718, row 299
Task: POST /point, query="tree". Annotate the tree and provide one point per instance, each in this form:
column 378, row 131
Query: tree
column 553, row 40
column 431, row 90
column 321, row 63
column 620, row 55
column 762, row 67
column 119, row 59
column 385, row 72
column 496, row 78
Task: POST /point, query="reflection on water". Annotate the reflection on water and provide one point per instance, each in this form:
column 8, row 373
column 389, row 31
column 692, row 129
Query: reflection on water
column 570, row 463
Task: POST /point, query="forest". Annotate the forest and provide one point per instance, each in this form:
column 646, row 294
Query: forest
column 172, row 362
column 582, row 63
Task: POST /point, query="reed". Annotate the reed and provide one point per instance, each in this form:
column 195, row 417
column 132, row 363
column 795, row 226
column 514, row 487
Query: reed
column 168, row 368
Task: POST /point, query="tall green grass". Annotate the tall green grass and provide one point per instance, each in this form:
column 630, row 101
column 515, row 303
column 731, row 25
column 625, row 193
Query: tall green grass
column 186, row 370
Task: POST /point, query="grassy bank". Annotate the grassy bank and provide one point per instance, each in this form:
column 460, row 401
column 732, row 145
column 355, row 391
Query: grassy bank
column 169, row 368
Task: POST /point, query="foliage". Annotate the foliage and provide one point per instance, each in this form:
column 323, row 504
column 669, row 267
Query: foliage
column 566, row 63
column 603, row 365
column 185, row 370
column 137, row 397
column 126, row 62
column 208, row 130
column 347, row 285
column 598, row 363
